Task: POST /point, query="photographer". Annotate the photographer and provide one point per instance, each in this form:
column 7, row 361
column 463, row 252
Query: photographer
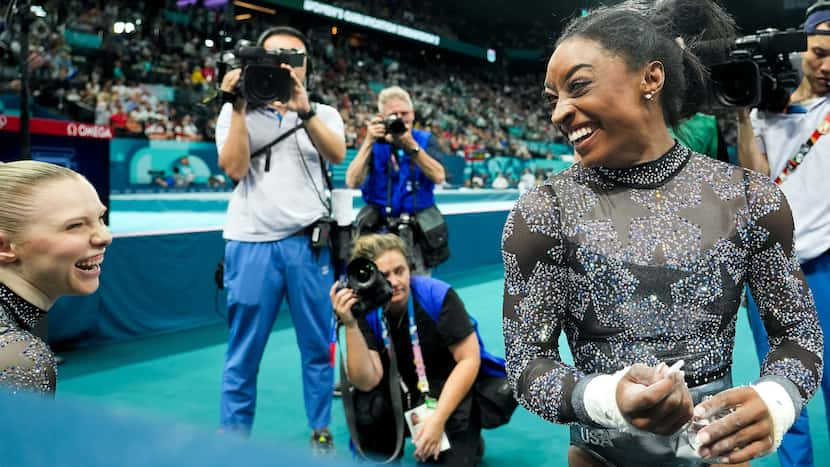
column 790, row 148
column 396, row 168
column 448, row 344
column 272, row 221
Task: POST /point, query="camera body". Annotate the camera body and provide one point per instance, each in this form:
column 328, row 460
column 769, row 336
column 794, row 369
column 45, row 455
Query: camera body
column 394, row 125
column 370, row 285
column 404, row 227
column 759, row 72
column 263, row 80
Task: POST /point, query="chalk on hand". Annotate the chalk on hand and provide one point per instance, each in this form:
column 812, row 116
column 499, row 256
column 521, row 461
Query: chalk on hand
column 676, row 367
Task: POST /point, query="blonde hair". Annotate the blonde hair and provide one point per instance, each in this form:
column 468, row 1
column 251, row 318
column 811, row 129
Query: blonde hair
column 370, row 246
column 393, row 93
column 18, row 181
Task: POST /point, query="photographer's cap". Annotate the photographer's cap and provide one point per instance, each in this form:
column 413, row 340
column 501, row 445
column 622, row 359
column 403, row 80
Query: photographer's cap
column 817, row 14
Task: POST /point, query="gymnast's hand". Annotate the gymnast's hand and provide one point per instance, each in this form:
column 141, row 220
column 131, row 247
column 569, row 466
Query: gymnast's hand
column 744, row 434
column 652, row 399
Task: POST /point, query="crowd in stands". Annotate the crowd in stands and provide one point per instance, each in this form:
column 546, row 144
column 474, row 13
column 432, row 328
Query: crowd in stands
column 425, row 14
column 476, row 116
column 144, row 80
column 152, row 81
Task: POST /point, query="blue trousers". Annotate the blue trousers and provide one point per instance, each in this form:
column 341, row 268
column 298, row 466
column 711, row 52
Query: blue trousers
column 796, row 449
column 257, row 277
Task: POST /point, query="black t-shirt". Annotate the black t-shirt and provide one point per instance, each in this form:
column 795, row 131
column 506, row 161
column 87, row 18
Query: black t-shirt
column 435, row 337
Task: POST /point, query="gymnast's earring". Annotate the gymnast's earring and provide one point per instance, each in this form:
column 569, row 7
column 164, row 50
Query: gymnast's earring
column 649, row 96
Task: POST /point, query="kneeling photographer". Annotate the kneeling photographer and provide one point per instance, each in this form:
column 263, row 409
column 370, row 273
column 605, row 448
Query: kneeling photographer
column 275, row 144
column 397, row 168
column 417, row 328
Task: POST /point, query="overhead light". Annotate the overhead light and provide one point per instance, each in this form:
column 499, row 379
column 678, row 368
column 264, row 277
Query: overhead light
column 118, row 27
column 209, row 43
column 334, row 30
column 243, row 17
column 251, row 6
column 38, row 11
column 129, row 28
column 228, row 39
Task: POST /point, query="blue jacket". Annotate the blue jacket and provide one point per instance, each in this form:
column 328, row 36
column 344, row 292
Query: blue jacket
column 430, row 294
column 374, row 188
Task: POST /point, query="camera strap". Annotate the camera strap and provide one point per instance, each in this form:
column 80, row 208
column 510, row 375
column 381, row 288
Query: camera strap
column 420, row 368
column 323, row 166
column 267, row 147
column 412, row 178
column 412, row 168
column 390, row 165
column 394, row 395
column 324, row 169
column 792, row 164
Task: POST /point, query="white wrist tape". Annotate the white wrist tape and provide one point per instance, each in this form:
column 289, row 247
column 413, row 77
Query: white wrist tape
column 780, row 406
column 600, row 401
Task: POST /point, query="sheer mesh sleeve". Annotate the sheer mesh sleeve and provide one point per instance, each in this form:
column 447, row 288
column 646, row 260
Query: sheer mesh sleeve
column 778, row 286
column 26, row 363
column 535, row 306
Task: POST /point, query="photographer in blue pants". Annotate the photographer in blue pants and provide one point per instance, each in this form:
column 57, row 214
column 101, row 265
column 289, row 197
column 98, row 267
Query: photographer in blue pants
column 275, row 230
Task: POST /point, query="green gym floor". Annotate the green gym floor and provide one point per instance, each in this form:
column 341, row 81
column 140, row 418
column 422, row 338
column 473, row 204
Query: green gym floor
column 176, row 377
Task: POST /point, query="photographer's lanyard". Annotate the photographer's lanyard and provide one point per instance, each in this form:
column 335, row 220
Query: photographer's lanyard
column 392, row 164
column 796, row 160
column 420, row 368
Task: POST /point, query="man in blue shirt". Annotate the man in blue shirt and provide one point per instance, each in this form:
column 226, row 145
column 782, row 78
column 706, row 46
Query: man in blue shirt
column 396, row 168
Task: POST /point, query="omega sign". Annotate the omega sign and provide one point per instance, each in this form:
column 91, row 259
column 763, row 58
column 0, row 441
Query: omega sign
column 88, row 131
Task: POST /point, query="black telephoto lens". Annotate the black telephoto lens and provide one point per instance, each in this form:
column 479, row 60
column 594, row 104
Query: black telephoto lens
column 395, row 125
column 370, row 285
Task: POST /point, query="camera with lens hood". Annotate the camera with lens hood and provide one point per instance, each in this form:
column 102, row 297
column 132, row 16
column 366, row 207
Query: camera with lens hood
column 369, row 284
column 394, row 125
column 263, row 79
column 758, row 72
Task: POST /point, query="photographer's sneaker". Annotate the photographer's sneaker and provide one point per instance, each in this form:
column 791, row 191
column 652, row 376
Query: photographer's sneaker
column 339, row 387
column 322, row 443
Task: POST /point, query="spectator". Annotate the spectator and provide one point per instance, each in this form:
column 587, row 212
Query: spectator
column 183, row 173
column 527, row 180
column 186, row 130
column 500, row 182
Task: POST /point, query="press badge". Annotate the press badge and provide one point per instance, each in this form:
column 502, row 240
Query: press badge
column 415, row 419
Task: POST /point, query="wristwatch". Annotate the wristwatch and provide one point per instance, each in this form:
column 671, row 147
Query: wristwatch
column 304, row 116
column 226, row 96
column 414, row 151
